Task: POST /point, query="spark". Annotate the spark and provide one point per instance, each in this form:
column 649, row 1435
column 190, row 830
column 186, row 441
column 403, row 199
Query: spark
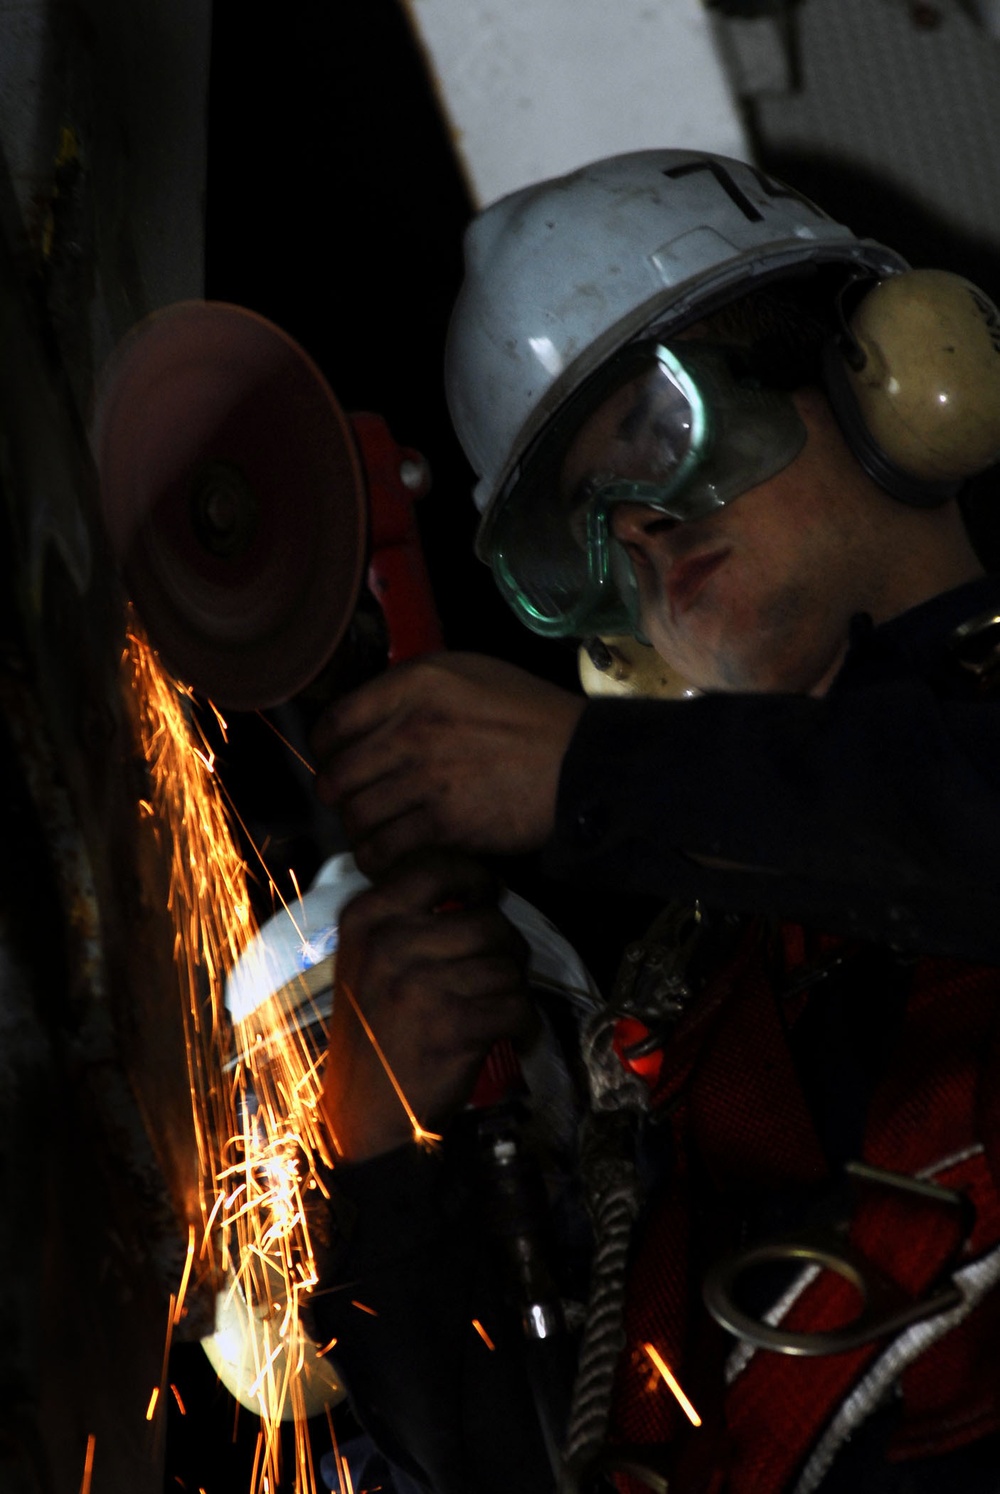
column 326, row 1348
column 362, row 1308
column 261, row 1135
column 426, row 1139
column 171, row 1320
column 483, row 1334
column 223, row 725
column 422, row 1137
column 256, row 1150
column 256, row 1478
column 344, row 1484
column 88, row 1465
column 177, row 1397
column 665, row 1371
column 336, row 1448
column 255, row 1387
column 185, row 1277
column 286, row 743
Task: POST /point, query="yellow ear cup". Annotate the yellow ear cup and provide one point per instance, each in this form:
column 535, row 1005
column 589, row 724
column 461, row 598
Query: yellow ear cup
column 621, row 665
column 928, row 389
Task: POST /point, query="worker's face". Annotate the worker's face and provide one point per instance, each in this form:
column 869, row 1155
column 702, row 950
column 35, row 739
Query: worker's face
column 759, row 594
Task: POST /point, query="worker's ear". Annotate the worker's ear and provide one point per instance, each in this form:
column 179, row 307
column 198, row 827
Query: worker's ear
column 914, row 379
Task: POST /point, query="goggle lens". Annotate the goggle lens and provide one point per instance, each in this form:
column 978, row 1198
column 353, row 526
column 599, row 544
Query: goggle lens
column 678, row 429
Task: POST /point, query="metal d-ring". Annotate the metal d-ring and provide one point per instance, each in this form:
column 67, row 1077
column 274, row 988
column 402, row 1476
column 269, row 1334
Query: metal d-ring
column 885, row 1307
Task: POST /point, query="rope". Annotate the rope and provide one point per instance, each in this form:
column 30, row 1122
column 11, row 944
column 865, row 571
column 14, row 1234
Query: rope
column 653, row 984
column 607, row 1165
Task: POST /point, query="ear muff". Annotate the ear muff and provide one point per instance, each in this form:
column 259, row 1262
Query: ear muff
column 914, row 380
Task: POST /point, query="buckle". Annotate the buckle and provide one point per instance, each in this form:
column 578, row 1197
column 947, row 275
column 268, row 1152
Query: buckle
column 885, row 1308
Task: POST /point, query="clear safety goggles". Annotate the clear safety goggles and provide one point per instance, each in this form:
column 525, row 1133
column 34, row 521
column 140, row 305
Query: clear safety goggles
column 683, row 428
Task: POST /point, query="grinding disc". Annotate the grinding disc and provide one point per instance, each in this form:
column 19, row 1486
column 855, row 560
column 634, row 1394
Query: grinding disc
column 235, row 501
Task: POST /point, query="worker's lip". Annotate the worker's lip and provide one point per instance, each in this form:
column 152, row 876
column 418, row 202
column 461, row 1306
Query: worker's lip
column 687, row 577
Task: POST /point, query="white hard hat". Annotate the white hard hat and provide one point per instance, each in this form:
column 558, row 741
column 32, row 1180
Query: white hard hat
column 562, row 274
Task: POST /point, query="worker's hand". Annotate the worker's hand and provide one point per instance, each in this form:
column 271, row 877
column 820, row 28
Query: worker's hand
column 438, row 975
column 452, row 749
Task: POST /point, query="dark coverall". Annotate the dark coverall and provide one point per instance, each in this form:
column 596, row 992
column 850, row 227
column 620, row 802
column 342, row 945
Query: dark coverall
column 872, row 814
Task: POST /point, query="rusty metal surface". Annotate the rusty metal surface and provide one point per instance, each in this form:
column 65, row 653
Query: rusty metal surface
column 101, row 163
column 98, row 1128
column 99, row 1120
column 102, row 128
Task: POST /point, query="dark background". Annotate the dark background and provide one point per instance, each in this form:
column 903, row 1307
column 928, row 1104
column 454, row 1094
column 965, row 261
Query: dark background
column 336, row 208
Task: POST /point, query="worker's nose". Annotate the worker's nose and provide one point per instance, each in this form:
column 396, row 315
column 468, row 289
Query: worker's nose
column 631, row 523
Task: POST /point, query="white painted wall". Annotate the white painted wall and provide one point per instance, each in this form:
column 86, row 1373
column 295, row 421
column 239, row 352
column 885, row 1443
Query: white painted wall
column 533, row 88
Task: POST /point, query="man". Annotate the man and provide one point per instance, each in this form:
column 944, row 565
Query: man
column 702, row 412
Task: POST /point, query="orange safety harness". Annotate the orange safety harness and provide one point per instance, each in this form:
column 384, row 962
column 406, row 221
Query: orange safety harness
column 921, row 1223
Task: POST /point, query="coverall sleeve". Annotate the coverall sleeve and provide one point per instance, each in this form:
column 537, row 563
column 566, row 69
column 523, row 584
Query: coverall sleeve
column 874, row 812
column 409, row 1273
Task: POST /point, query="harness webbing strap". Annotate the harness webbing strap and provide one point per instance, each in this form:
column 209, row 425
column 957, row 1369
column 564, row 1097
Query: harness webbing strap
column 741, row 1128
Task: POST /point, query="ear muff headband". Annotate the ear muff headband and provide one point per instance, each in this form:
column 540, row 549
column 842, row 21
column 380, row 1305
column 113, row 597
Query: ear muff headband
column 914, row 381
